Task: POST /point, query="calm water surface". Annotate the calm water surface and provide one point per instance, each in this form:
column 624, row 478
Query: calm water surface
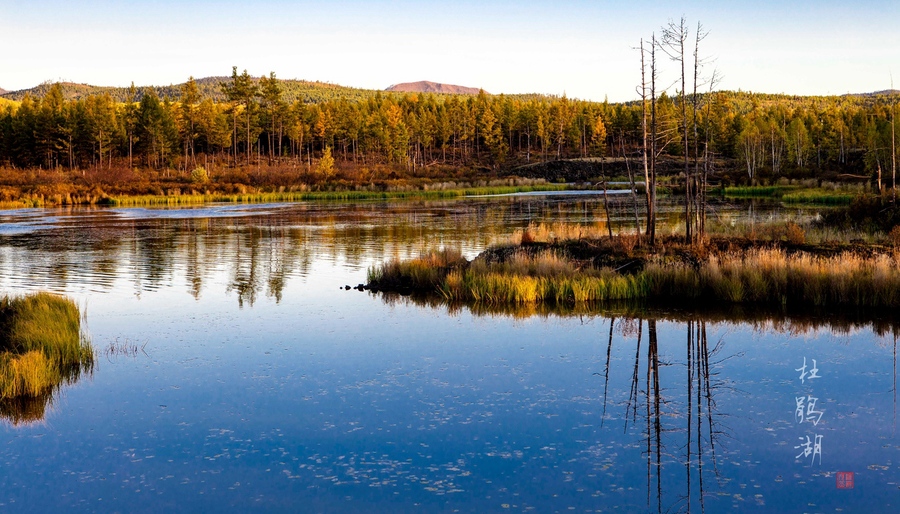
column 263, row 385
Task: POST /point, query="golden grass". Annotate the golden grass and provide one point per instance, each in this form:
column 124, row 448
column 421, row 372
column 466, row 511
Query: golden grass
column 773, row 276
column 557, row 232
column 29, row 374
column 421, row 274
column 499, row 288
column 761, row 275
column 42, row 346
column 47, row 323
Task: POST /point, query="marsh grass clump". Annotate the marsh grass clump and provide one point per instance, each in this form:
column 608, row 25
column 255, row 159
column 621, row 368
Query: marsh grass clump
column 424, row 273
column 42, row 347
column 774, row 191
column 819, row 197
column 47, row 323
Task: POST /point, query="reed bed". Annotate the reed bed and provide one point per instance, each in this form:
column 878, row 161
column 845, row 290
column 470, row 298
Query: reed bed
column 800, row 192
column 498, row 288
column 302, row 196
column 774, row 276
column 758, row 276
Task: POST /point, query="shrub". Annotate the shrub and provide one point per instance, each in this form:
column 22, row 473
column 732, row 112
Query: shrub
column 199, row 175
column 894, row 235
column 794, row 234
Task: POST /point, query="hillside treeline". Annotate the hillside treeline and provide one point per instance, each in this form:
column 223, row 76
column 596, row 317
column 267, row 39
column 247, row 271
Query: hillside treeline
column 757, row 137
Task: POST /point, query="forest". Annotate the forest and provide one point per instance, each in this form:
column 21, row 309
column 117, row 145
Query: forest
column 264, row 132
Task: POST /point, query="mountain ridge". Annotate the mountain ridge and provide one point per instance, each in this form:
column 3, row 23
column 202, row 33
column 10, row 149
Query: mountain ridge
column 293, row 89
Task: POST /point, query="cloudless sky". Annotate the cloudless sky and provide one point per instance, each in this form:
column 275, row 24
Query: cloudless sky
column 584, row 49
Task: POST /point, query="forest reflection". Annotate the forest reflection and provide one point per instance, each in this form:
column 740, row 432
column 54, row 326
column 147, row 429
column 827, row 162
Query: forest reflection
column 252, row 255
column 256, row 250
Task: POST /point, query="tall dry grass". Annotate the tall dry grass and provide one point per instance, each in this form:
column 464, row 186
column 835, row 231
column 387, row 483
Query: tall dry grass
column 765, row 276
column 557, row 232
column 774, row 276
column 424, row 273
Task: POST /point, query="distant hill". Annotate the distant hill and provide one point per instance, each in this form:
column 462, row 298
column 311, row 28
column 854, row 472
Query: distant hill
column 210, row 87
column 71, row 90
column 883, row 92
column 424, row 86
column 3, row 91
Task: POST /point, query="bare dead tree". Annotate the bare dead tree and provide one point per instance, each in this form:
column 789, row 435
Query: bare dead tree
column 893, row 148
column 674, row 36
column 634, row 201
column 651, row 218
column 699, row 178
column 651, row 211
column 707, row 155
column 649, row 154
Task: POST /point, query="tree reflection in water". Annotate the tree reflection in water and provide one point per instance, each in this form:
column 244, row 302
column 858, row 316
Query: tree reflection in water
column 260, row 247
column 677, row 417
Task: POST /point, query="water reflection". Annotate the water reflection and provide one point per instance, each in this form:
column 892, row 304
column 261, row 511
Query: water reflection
column 268, row 387
column 25, row 409
column 262, row 248
column 691, row 412
column 792, row 322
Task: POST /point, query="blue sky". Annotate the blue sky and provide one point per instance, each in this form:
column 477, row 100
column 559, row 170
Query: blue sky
column 584, row 49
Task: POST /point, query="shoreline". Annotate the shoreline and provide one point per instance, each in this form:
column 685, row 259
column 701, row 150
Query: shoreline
column 196, row 198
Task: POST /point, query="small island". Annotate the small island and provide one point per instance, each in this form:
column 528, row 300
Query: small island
column 775, row 265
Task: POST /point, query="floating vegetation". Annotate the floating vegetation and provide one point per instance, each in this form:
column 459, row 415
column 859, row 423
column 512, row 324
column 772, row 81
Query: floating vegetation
column 42, row 347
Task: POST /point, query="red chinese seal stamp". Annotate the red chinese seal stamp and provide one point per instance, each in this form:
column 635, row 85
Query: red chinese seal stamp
column 845, row 480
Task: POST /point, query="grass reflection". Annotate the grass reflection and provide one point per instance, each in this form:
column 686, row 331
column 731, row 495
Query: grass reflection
column 779, row 318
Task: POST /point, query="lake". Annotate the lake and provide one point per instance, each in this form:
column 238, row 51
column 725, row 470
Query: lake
column 237, row 373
